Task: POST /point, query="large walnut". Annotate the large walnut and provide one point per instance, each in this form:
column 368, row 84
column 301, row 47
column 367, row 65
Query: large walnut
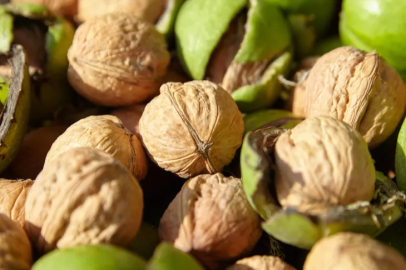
column 106, row 133
column 13, row 194
column 84, row 196
column 352, row 251
column 321, row 163
column 358, row 88
column 192, row 128
column 62, row 7
column 15, row 248
column 260, row 263
column 212, row 219
column 117, row 60
column 130, row 117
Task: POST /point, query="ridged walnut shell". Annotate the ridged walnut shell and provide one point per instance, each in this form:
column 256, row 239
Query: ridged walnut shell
column 212, row 219
column 352, row 251
column 84, row 196
column 130, row 117
column 260, row 263
column 62, row 7
column 117, row 60
column 192, row 128
column 13, row 194
column 358, row 88
column 105, row 133
column 15, row 248
column 322, row 163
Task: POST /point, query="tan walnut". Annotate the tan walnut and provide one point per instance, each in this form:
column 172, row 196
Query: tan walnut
column 321, row 163
column 84, row 196
column 61, row 7
column 15, row 248
column 359, row 88
column 106, row 133
column 192, row 128
column 211, row 219
column 117, row 60
column 130, row 117
column 260, row 263
column 13, row 194
column 352, row 251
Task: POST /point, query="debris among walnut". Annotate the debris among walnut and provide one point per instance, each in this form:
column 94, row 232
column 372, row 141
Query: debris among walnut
column 260, row 263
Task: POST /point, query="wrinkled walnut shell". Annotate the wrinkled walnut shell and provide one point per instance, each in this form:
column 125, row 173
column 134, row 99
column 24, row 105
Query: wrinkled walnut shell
column 62, row 7
column 130, row 117
column 260, row 263
column 83, row 197
column 108, row 134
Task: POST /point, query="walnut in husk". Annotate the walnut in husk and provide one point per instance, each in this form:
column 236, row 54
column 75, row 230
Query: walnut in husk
column 192, row 128
column 352, row 251
column 106, row 133
column 15, row 248
column 359, row 88
column 117, row 59
column 322, row 163
column 211, row 219
column 13, row 194
column 260, row 263
column 62, row 7
column 84, row 196
column 130, row 117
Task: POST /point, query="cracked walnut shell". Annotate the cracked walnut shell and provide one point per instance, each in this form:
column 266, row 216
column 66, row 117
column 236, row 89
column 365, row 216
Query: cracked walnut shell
column 260, row 263
column 84, row 196
column 192, row 128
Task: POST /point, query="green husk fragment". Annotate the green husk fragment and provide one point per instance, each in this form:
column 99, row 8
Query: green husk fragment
column 6, row 31
column 28, row 10
column 166, row 23
column 4, row 89
column 279, row 118
column 303, row 32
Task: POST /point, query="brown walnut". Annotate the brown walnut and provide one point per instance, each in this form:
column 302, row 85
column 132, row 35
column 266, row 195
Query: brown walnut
column 260, row 263
column 130, row 117
column 62, row 7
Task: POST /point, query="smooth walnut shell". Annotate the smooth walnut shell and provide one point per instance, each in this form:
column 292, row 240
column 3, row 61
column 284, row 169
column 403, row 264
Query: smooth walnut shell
column 260, row 263
column 106, row 133
column 117, row 60
column 212, row 219
column 62, row 7
column 13, row 194
column 352, row 251
column 358, row 88
column 192, row 128
column 130, row 117
column 84, row 196
column 321, row 163
column 15, row 248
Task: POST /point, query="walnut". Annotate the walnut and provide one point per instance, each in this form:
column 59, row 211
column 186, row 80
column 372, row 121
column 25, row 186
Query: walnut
column 130, row 117
column 321, row 163
column 212, row 219
column 192, row 128
column 106, row 133
column 15, row 248
column 13, row 194
column 84, row 196
column 260, row 263
column 352, row 251
column 358, row 88
column 117, row 60
column 62, row 7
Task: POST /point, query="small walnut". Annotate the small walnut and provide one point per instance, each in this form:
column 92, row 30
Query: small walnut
column 321, row 163
column 15, row 248
column 117, row 60
column 192, row 128
column 130, row 117
column 62, row 7
column 83, row 197
column 212, row 219
column 358, row 88
column 260, row 263
column 106, row 133
column 352, row 251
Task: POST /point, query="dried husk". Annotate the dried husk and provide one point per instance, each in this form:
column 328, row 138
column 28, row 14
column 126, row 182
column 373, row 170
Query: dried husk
column 322, row 163
column 260, row 263
column 13, row 194
column 117, row 60
column 192, row 128
column 15, row 248
column 106, row 133
column 83, row 197
column 130, row 117
column 211, row 219
column 351, row 251
column 359, row 88
column 62, row 7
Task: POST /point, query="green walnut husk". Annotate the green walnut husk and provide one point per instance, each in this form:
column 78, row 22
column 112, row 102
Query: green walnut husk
column 15, row 105
column 263, row 40
column 300, row 229
column 400, row 158
column 145, row 242
column 166, row 22
column 46, row 40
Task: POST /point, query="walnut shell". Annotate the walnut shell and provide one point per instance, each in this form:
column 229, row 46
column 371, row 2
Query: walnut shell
column 192, row 128
column 130, row 117
column 62, row 7
column 352, row 251
column 106, row 133
column 260, row 263
column 15, row 248
column 117, row 60
column 321, row 163
column 358, row 88
column 84, row 196
column 212, row 219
